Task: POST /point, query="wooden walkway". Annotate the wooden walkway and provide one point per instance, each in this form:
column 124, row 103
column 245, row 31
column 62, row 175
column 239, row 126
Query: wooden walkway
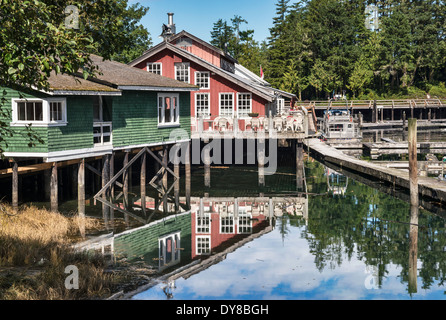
column 428, row 187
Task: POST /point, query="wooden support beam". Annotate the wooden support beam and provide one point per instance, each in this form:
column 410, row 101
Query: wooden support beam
column 188, row 176
column 15, row 186
column 413, row 249
column 81, row 188
column 125, row 179
column 143, row 183
column 176, row 169
column 299, row 164
column 413, row 165
column 105, row 179
column 165, row 164
column 54, row 188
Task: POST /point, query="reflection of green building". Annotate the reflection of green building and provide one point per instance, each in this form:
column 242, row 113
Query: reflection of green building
column 162, row 243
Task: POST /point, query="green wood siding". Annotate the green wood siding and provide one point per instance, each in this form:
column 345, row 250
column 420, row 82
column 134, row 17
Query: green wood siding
column 19, row 141
column 143, row 242
column 134, row 122
column 135, row 118
column 78, row 133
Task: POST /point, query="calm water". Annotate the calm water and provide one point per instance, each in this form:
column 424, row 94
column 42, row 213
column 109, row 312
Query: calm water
column 335, row 238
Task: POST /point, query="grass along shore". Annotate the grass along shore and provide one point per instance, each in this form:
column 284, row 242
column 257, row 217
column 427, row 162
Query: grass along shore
column 35, row 249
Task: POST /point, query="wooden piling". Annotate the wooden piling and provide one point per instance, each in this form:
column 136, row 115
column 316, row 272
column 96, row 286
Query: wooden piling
column 15, row 186
column 165, row 186
column 125, row 180
column 105, row 178
column 207, row 168
column 143, row 181
column 54, row 188
column 413, row 163
column 413, row 249
column 81, row 188
column 188, row 175
column 176, row 170
column 299, row 164
column 261, row 165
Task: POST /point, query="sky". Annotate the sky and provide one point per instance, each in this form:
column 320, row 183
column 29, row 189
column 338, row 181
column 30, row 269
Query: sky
column 198, row 16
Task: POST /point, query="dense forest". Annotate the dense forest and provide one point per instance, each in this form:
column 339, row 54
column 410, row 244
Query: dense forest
column 320, row 47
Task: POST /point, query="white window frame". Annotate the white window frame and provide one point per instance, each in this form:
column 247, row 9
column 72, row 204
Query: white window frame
column 197, row 240
column 244, row 222
column 220, row 104
column 46, row 113
column 158, row 65
column 161, row 121
column 200, row 226
column 188, row 70
column 199, row 75
column 209, row 104
column 175, row 250
column 224, row 226
column 245, row 115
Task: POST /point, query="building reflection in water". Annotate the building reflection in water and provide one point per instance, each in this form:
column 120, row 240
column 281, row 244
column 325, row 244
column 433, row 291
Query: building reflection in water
column 183, row 244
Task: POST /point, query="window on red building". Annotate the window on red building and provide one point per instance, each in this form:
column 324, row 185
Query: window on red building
column 226, row 104
column 182, row 71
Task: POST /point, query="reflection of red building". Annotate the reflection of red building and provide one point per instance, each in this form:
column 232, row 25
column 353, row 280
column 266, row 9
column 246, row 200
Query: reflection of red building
column 227, row 89
column 214, row 224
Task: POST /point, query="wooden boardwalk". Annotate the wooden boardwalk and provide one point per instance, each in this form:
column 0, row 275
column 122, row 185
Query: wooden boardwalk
column 428, row 187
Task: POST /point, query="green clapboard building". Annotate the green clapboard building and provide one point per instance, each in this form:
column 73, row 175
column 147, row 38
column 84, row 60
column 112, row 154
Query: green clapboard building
column 120, row 110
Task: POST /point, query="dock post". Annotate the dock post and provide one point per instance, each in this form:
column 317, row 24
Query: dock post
column 176, row 170
column 54, row 188
column 15, row 186
column 105, row 178
column 261, row 164
column 207, row 167
column 165, row 187
column 125, row 180
column 81, row 188
column 299, row 164
column 413, row 165
column 375, row 112
column 142, row 181
column 188, row 175
column 413, row 249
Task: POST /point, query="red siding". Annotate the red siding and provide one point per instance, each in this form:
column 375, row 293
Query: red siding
column 218, row 84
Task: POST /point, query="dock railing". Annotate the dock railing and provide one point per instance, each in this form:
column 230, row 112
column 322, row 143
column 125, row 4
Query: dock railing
column 289, row 124
column 369, row 104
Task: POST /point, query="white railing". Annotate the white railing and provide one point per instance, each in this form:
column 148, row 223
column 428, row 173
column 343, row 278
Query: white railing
column 291, row 122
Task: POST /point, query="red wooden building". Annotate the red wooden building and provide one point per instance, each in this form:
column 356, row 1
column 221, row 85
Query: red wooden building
column 216, row 224
column 227, row 89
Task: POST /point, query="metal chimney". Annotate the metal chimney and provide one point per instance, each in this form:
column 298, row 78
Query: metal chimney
column 170, row 19
column 169, row 29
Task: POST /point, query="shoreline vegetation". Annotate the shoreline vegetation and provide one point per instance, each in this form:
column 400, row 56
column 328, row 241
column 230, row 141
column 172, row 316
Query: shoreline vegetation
column 36, row 247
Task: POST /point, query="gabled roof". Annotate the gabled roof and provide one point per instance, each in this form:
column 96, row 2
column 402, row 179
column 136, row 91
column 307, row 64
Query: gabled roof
column 204, row 43
column 112, row 77
column 122, row 76
column 260, row 88
column 150, row 52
